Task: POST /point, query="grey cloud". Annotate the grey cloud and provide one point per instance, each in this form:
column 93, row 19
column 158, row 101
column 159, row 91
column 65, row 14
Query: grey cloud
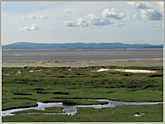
column 151, row 14
column 148, row 14
column 100, row 22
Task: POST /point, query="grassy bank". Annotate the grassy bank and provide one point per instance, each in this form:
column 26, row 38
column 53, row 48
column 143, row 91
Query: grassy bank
column 23, row 87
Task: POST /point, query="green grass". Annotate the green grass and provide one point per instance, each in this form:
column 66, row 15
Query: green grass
column 57, row 84
column 48, row 110
column 18, row 104
column 152, row 113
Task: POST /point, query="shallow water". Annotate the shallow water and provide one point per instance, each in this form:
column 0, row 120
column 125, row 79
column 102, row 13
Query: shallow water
column 81, row 55
column 72, row 109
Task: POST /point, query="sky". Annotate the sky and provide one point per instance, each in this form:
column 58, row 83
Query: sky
column 83, row 22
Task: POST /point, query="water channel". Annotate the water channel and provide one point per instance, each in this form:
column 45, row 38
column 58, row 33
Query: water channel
column 72, row 109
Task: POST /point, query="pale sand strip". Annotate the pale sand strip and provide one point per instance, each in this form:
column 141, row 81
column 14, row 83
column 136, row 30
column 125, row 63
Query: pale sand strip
column 143, row 63
column 127, row 70
column 136, row 71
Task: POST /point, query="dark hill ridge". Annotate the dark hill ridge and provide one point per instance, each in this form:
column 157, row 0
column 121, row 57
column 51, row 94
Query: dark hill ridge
column 28, row 45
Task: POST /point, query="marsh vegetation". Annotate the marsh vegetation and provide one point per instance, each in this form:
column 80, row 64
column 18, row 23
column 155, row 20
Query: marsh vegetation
column 23, row 87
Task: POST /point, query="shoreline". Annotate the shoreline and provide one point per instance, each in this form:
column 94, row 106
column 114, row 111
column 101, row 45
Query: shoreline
column 142, row 63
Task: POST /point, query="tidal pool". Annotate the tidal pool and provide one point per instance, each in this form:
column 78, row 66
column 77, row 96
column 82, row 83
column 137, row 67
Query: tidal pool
column 72, row 109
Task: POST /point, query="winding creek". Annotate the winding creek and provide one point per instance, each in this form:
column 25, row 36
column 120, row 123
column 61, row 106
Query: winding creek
column 72, row 109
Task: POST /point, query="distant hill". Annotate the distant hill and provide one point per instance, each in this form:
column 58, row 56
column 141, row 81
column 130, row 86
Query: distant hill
column 27, row 45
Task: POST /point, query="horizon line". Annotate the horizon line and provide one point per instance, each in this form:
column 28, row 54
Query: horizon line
column 82, row 43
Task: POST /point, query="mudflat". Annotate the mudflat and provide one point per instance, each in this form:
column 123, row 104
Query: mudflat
column 143, row 63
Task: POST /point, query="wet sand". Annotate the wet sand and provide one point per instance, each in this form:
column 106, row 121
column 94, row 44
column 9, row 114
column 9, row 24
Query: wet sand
column 143, row 63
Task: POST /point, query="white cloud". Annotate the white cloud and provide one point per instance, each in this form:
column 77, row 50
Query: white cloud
column 32, row 16
column 90, row 19
column 118, row 5
column 32, row 28
column 136, row 16
column 43, row 17
column 81, row 22
column 138, row 5
column 96, row 21
column 70, row 23
column 79, row 13
column 161, row 6
column 23, row 18
column 91, row 16
column 120, row 24
column 107, row 13
column 150, row 14
column 67, row 11
column 24, row 29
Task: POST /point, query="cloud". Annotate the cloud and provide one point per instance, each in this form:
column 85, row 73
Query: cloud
column 161, row 4
column 120, row 24
column 79, row 13
column 136, row 16
column 107, row 13
column 90, row 19
column 146, row 12
column 81, row 22
column 100, row 22
column 138, row 5
column 91, row 16
column 96, row 21
column 23, row 18
column 118, row 5
column 70, row 23
column 150, row 14
column 43, row 17
column 32, row 16
column 67, row 11
column 32, row 28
